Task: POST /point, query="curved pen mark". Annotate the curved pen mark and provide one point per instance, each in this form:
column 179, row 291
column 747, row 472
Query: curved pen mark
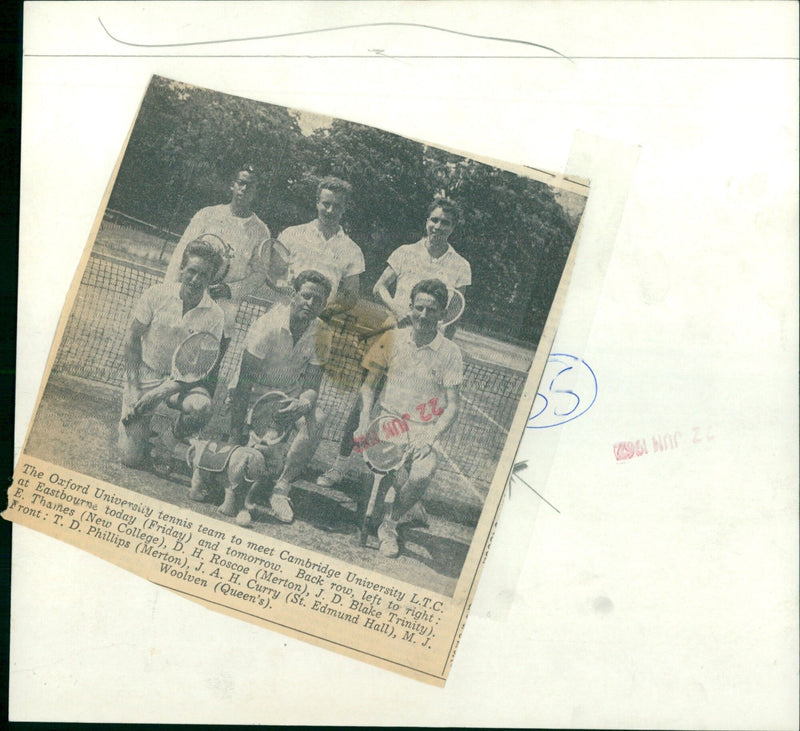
column 334, row 28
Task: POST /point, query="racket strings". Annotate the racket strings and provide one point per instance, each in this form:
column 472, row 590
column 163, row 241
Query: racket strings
column 195, row 356
column 386, row 443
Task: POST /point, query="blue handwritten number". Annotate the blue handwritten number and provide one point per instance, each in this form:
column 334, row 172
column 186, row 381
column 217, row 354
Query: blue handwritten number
column 552, row 406
column 558, row 390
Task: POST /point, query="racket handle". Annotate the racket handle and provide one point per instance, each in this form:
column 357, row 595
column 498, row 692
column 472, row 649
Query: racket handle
column 370, row 509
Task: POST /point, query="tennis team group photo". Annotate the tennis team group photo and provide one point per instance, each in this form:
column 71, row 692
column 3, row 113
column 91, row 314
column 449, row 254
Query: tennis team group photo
column 309, row 328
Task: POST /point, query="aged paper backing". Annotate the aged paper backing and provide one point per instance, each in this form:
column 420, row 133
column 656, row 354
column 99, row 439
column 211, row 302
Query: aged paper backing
column 402, row 625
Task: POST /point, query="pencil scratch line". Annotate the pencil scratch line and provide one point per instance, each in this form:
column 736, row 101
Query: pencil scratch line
column 333, row 28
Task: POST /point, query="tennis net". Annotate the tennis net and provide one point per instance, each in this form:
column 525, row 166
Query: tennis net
column 92, row 349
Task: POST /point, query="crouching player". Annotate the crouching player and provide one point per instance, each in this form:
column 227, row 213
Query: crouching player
column 285, row 350
column 165, row 315
column 423, row 371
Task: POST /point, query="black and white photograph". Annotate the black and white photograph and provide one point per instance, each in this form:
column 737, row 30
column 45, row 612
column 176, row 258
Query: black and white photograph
column 371, row 306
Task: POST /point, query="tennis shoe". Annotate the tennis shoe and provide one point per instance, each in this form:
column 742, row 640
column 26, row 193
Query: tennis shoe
column 198, row 493
column 281, row 507
column 387, row 536
column 332, row 477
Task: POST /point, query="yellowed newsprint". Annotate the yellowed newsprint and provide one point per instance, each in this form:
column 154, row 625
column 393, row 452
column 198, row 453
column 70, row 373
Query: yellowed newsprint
column 380, row 311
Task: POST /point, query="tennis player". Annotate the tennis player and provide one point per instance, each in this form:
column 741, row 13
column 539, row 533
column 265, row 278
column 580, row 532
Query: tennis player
column 322, row 245
column 423, row 372
column 432, row 257
column 285, row 350
column 164, row 316
column 243, row 231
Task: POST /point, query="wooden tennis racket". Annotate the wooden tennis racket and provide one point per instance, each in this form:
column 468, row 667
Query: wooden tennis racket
column 384, row 447
column 192, row 361
column 455, row 308
column 195, row 357
column 264, row 419
column 225, row 251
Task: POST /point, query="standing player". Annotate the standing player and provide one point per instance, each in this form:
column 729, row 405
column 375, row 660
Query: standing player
column 323, row 246
column 163, row 318
column 286, row 350
column 242, row 230
column 431, row 257
column 423, row 372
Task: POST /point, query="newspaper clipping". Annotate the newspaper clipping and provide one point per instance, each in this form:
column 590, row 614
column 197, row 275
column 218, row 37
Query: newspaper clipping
column 294, row 368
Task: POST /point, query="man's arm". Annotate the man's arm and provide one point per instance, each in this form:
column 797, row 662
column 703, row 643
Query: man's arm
column 347, row 294
column 441, row 426
column 351, row 284
column 445, row 421
column 381, row 288
column 139, row 403
column 133, row 358
column 304, row 404
column 367, row 393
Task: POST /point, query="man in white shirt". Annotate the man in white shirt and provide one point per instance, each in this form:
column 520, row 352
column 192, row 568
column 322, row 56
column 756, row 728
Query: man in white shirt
column 323, row 246
column 163, row 318
column 432, row 257
column 423, row 372
column 286, row 349
column 242, row 231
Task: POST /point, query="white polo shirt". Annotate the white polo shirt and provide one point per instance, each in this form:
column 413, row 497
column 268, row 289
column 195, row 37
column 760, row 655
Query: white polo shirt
column 243, row 235
column 415, row 375
column 412, row 263
column 160, row 308
column 284, row 361
column 337, row 257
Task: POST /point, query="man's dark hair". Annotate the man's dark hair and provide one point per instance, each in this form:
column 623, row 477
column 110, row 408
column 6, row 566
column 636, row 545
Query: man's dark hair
column 448, row 205
column 335, row 185
column 310, row 275
column 434, row 287
column 248, row 168
column 204, row 250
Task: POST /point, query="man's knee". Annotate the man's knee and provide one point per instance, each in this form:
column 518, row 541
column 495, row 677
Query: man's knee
column 196, row 404
column 423, row 469
column 321, row 418
column 311, row 427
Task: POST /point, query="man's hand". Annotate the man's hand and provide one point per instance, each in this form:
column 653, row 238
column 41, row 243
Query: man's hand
column 419, row 449
column 220, row 291
column 296, row 408
column 135, row 393
column 154, row 397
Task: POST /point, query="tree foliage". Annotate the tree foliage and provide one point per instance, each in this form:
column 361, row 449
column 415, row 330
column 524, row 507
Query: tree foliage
column 188, row 142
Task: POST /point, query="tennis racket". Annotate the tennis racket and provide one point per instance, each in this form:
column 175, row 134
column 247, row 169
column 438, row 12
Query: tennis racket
column 384, row 448
column 270, row 257
column 192, row 361
column 194, row 358
column 264, row 419
column 225, row 251
column 275, row 257
column 455, row 308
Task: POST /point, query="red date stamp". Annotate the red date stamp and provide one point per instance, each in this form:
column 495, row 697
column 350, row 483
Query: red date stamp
column 624, row 451
column 391, row 428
